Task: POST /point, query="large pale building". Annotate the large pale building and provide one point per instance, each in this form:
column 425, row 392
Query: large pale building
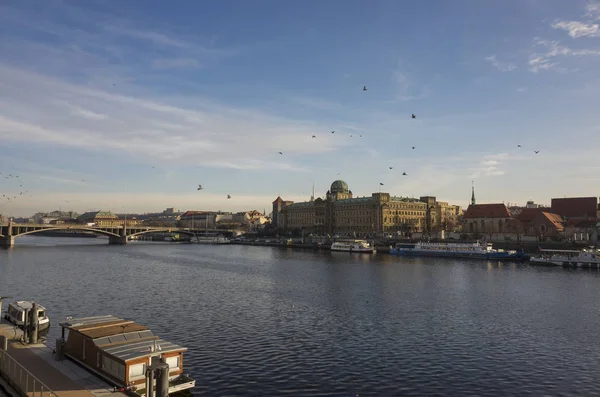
column 341, row 212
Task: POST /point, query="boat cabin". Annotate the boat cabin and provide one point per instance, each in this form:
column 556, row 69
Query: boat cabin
column 118, row 350
column 15, row 313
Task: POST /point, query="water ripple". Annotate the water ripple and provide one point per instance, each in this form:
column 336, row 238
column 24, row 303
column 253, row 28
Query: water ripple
column 260, row 321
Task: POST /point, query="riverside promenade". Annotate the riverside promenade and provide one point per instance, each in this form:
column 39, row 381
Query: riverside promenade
column 31, row 370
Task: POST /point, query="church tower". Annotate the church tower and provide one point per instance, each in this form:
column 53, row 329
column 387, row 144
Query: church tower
column 472, row 193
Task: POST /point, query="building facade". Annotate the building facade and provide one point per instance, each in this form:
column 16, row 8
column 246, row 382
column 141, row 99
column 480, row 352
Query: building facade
column 342, row 213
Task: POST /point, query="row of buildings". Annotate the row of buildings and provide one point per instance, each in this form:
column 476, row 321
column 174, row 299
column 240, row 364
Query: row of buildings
column 339, row 212
column 569, row 218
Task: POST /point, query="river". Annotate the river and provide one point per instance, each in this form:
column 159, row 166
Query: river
column 263, row 321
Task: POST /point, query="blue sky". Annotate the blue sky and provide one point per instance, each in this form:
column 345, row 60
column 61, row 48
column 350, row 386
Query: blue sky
column 116, row 106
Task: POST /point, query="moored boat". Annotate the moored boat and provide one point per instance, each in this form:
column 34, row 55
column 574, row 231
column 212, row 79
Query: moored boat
column 567, row 258
column 475, row 250
column 210, row 240
column 15, row 314
column 353, row 246
column 119, row 351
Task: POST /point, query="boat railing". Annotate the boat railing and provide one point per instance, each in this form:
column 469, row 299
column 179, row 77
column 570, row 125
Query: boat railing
column 21, row 379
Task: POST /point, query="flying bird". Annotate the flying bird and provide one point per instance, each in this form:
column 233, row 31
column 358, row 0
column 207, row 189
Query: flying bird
column 333, row 132
column 413, row 116
column 414, row 147
column 536, row 151
column 518, row 145
column 360, row 136
column 228, row 196
column 350, row 136
column 200, row 187
column 280, row 152
column 381, row 184
column 364, row 88
column 391, row 168
column 314, row 136
column 404, row 173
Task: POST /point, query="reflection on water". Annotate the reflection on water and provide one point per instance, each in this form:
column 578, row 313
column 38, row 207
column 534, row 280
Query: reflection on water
column 267, row 321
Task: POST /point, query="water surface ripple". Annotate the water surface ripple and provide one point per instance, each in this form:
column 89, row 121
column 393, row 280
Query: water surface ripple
column 262, row 321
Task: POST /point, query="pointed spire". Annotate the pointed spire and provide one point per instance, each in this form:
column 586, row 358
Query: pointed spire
column 312, row 198
column 472, row 193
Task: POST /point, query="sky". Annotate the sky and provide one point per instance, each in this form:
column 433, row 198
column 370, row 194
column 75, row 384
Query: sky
column 111, row 105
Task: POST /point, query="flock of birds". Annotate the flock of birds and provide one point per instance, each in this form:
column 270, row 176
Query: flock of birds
column 7, row 197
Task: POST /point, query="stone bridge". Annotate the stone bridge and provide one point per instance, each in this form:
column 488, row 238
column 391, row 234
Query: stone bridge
column 116, row 234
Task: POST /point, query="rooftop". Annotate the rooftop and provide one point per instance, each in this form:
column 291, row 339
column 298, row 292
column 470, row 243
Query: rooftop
column 487, row 211
column 122, row 339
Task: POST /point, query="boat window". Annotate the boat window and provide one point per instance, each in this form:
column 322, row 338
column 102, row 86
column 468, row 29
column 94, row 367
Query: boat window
column 173, row 363
column 41, row 314
column 137, row 371
column 113, row 368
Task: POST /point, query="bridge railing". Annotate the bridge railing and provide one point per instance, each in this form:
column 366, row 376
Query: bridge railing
column 21, row 379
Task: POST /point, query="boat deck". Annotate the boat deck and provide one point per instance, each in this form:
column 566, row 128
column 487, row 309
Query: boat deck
column 64, row 378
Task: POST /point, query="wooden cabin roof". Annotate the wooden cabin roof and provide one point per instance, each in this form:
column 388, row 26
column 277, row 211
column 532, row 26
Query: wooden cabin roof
column 102, row 326
column 122, row 339
column 142, row 348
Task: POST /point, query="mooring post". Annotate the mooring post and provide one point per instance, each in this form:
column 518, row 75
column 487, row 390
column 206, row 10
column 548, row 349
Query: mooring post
column 34, row 322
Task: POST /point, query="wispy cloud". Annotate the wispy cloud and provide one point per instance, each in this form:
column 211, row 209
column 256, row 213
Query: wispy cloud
column 578, row 29
column 501, row 66
column 592, row 11
column 553, row 49
column 203, row 133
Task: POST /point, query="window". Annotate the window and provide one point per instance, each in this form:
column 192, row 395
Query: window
column 173, row 363
column 113, row 368
column 137, row 371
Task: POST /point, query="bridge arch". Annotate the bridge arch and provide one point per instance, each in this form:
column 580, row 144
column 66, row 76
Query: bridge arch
column 69, row 228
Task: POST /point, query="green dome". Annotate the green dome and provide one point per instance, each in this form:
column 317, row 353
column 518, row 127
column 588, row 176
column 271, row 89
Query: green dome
column 339, row 187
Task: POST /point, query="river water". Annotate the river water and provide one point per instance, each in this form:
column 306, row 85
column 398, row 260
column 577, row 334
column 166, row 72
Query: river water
column 263, row 321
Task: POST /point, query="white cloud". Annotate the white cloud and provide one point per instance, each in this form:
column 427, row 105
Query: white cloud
column 204, row 132
column 501, row 66
column 578, row 29
column 553, row 49
column 521, row 89
column 593, row 11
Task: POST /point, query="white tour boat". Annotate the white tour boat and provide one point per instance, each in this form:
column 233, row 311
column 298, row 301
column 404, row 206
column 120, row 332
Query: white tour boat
column 568, row 258
column 15, row 313
column 210, row 240
column 353, row 246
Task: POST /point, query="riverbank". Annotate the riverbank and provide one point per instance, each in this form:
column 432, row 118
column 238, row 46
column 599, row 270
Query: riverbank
column 383, row 246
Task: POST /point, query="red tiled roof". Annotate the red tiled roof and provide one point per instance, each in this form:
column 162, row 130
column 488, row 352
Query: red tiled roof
column 487, row 211
column 555, row 219
column 277, row 200
column 529, row 214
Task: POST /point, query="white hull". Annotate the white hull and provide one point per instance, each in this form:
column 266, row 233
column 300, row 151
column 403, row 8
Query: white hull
column 359, row 246
column 363, row 250
column 210, row 240
column 565, row 262
column 582, row 259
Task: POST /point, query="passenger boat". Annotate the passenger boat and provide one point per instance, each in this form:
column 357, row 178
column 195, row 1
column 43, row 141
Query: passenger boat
column 475, row 250
column 210, row 240
column 15, row 314
column 353, row 246
column 568, row 258
column 119, row 351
